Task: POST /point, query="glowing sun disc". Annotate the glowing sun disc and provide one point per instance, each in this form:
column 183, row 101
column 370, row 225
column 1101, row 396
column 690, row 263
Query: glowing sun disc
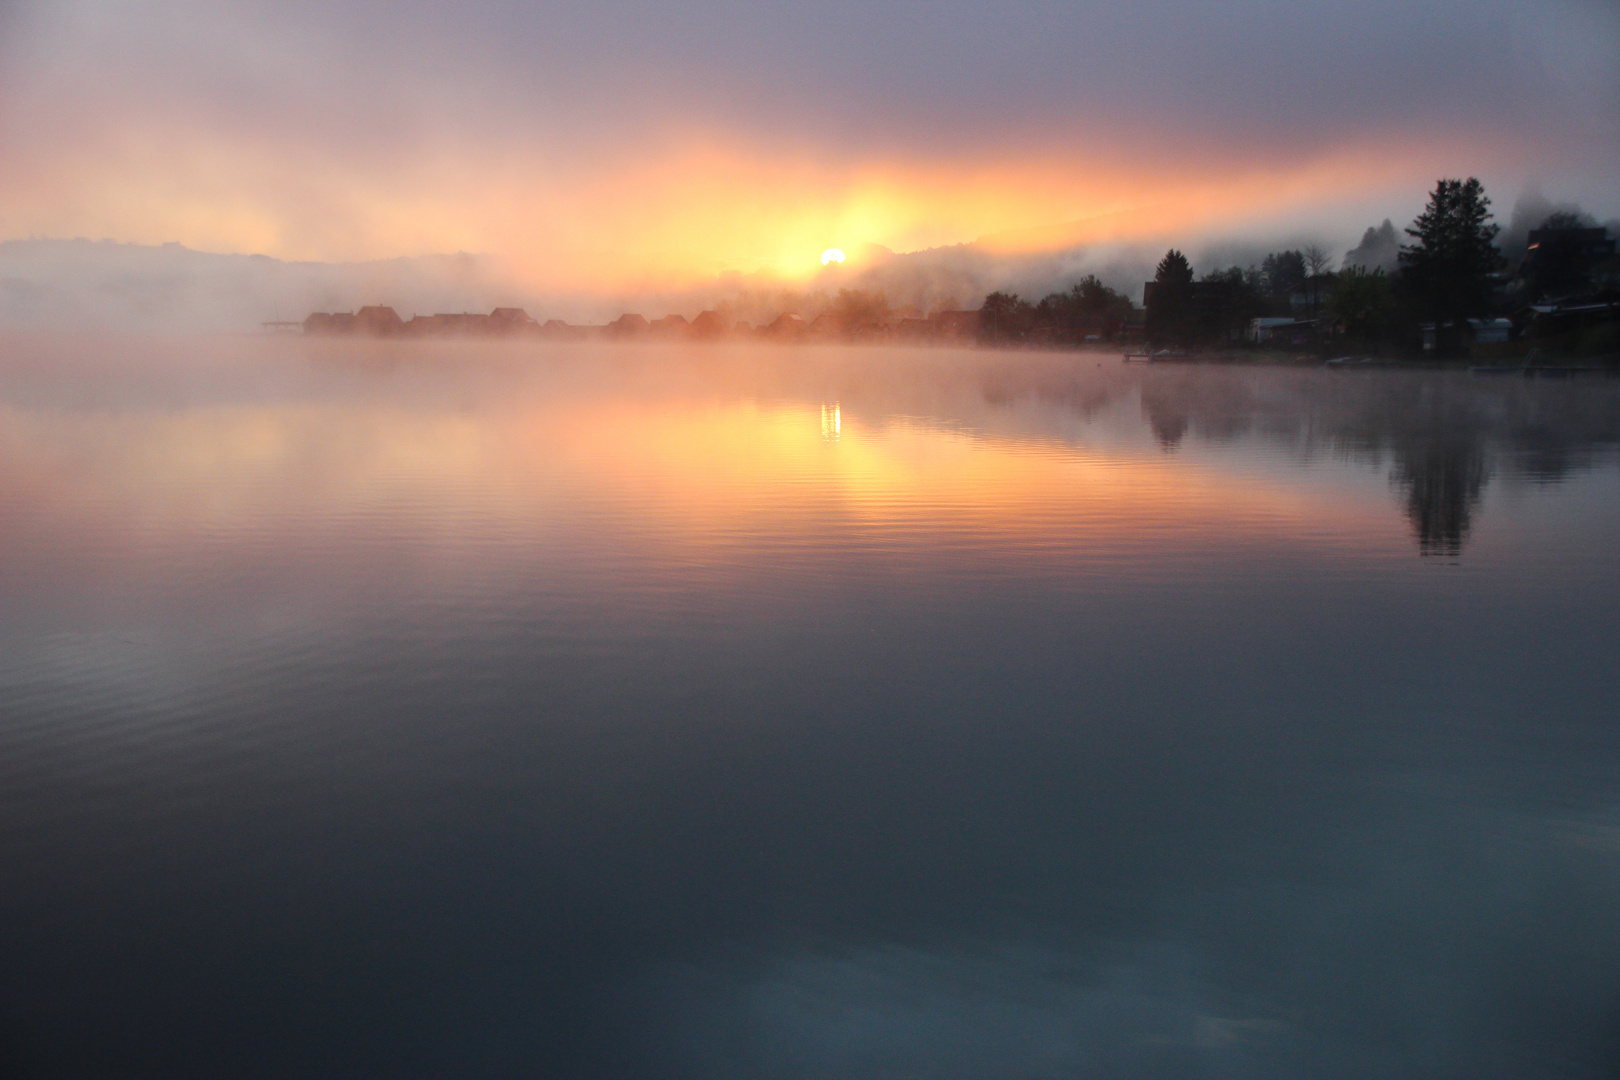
column 831, row 255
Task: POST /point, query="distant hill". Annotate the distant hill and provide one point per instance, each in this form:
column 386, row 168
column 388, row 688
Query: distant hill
column 98, row 285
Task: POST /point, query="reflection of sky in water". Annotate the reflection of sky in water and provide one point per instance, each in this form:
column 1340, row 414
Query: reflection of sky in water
column 839, row 713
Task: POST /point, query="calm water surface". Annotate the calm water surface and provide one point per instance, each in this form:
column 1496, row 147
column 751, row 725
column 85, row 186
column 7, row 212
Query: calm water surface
column 588, row 712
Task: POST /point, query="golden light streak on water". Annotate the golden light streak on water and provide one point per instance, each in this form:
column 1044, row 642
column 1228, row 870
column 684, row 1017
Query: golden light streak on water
column 831, row 421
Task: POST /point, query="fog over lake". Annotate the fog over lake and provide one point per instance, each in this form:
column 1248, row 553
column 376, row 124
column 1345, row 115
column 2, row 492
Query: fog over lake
column 446, row 709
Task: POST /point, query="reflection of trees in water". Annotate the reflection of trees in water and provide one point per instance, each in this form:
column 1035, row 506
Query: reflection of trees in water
column 1444, row 479
column 1448, row 433
column 1168, row 426
column 1546, row 458
column 1438, row 431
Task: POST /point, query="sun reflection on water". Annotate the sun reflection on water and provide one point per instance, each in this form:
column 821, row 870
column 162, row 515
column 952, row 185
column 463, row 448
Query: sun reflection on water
column 832, row 421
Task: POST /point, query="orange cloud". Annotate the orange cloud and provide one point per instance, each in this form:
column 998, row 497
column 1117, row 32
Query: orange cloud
column 670, row 213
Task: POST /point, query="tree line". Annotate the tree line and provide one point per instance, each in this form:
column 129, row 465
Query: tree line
column 1447, row 279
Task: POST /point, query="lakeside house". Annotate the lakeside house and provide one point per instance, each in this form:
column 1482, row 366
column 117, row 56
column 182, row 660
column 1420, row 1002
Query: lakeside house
column 628, row 325
column 378, row 321
column 709, row 324
column 321, row 322
column 786, row 325
column 1280, row 330
column 1479, row 332
column 1308, row 297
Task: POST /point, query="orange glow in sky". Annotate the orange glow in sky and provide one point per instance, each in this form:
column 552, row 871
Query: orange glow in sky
column 608, row 152
column 669, row 216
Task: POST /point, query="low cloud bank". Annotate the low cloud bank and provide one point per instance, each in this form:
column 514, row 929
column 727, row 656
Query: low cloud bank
column 72, row 285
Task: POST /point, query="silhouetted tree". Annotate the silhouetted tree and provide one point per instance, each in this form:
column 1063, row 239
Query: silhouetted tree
column 853, row 311
column 1055, row 316
column 1559, row 265
column 1282, row 271
column 1089, row 307
column 1004, row 317
column 1095, row 298
column 1169, row 303
column 1447, row 272
column 1316, row 260
column 1364, row 301
column 1173, row 269
column 1100, row 303
column 1245, row 300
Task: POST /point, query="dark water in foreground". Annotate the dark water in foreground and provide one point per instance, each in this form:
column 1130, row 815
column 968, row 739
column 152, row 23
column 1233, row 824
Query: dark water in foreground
column 593, row 713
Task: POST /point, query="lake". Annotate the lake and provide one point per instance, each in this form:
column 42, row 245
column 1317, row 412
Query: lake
column 447, row 710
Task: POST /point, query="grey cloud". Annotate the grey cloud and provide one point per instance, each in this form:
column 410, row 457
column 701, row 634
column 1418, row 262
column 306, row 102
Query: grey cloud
column 367, row 89
column 1257, row 76
column 1529, row 211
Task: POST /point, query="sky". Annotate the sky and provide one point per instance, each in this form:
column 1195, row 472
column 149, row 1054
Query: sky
column 616, row 144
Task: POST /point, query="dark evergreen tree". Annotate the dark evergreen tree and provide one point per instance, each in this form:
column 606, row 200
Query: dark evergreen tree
column 1283, row 270
column 1173, row 270
column 1169, row 301
column 1446, row 274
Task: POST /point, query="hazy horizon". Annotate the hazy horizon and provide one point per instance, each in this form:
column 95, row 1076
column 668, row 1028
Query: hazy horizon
column 107, row 284
column 622, row 151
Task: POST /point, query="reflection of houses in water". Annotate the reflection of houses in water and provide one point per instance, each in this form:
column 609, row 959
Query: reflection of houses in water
column 832, row 421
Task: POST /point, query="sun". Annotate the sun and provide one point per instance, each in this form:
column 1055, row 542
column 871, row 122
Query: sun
column 831, row 255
